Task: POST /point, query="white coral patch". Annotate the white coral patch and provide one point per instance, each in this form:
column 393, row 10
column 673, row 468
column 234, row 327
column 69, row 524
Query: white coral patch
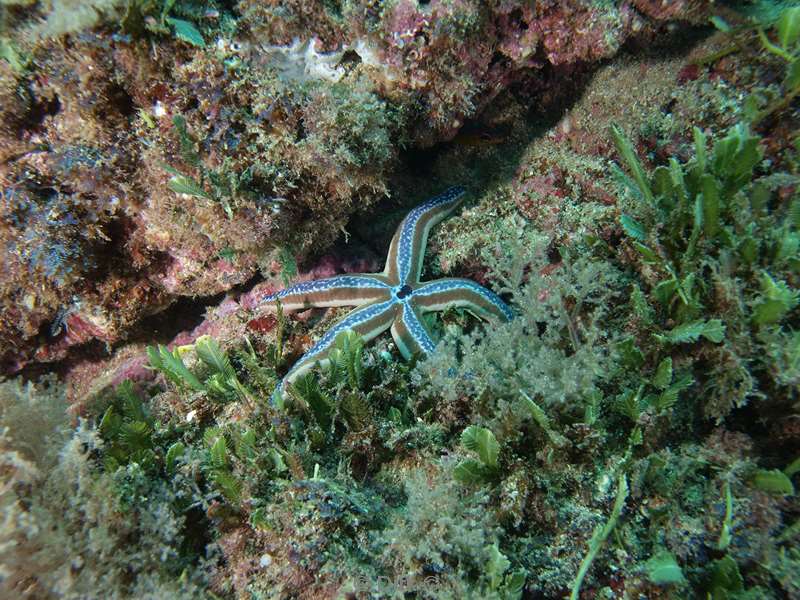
column 302, row 62
column 369, row 57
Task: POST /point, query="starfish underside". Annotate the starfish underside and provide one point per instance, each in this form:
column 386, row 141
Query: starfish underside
column 393, row 299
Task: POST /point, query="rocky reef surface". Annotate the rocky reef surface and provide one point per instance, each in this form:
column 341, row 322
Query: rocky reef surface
column 632, row 191
column 143, row 166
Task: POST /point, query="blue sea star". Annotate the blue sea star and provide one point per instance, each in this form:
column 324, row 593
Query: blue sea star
column 392, row 299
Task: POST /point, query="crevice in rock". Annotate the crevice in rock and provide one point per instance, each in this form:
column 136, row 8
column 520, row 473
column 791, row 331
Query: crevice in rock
column 40, row 109
column 184, row 314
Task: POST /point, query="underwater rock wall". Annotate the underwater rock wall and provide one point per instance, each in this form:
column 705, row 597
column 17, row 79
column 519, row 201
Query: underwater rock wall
column 149, row 156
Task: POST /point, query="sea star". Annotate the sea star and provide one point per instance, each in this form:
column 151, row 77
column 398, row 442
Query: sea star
column 394, row 298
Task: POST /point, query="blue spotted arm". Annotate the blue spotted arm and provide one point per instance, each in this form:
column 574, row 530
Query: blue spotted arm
column 410, row 333
column 368, row 321
column 342, row 290
column 441, row 294
column 407, row 250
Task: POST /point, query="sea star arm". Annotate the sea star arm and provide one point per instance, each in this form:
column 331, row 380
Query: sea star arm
column 367, row 321
column 461, row 293
column 343, row 290
column 410, row 333
column 404, row 263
